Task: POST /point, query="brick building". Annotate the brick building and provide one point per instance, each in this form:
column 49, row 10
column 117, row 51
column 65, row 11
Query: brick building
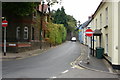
column 23, row 33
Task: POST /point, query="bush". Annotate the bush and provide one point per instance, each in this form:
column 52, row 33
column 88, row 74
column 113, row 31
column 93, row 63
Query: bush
column 56, row 33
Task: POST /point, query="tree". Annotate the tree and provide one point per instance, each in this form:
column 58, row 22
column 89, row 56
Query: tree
column 71, row 23
column 19, row 8
column 59, row 17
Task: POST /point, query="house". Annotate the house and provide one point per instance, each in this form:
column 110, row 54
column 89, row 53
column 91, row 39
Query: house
column 105, row 24
column 23, row 32
column 83, row 27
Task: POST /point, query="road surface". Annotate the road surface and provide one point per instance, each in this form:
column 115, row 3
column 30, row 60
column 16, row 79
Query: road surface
column 53, row 63
column 45, row 65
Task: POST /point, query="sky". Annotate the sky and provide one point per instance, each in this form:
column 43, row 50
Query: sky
column 79, row 9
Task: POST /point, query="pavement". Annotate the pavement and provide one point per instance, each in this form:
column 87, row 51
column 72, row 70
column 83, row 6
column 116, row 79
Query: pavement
column 93, row 63
column 21, row 55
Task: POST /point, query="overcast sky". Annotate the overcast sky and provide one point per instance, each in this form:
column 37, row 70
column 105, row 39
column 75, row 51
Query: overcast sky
column 79, row 9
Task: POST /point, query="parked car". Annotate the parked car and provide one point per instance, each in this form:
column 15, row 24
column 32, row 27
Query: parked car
column 73, row 39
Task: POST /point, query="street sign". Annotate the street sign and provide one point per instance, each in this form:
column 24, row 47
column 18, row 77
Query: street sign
column 89, row 32
column 4, row 23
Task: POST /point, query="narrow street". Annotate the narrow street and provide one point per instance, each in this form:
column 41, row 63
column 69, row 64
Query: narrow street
column 60, row 39
column 53, row 63
column 46, row 65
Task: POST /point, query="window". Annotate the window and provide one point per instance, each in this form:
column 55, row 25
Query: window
column 92, row 23
column 25, row 32
column 35, row 14
column 96, row 23
column 106, row 43
column 106, row 12
column 32, row 33
column 100, row 20
column 18, row 33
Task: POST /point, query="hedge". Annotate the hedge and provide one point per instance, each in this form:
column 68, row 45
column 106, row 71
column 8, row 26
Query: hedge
column 56, row 33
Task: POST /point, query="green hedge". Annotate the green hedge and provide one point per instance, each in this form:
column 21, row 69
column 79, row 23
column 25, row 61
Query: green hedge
column 56, row 33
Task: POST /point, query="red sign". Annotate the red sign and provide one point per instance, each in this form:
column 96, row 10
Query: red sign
column 89, row 32
column 4, row 23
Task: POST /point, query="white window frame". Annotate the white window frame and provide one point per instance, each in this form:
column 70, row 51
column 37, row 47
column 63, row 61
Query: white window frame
column 18, row 32
column 25, row 31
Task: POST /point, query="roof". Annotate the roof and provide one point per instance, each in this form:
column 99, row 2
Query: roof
column 85, row 24
column 101, row 3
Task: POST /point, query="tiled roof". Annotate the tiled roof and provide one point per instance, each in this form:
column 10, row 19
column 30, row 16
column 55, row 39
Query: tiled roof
column 85, row 24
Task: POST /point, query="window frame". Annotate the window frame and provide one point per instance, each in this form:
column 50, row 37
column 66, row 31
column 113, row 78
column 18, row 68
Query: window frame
column 25, row 31
column 18, row 32
column 96, row 22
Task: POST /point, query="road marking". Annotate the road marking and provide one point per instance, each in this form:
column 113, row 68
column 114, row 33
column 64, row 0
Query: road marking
column 65, row 71
column 73, row 67
column 80, row 61
column 78, row 67
column 53, row 77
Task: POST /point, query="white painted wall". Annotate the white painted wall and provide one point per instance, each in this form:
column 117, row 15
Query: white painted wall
column 119, row 33
column 112, row 29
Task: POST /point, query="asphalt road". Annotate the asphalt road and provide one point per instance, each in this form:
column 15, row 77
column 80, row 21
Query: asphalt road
column 51, row 63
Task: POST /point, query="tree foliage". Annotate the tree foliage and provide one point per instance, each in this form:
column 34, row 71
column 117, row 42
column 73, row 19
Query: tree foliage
column 71, row 23
column 60, row 17
column 56, row 33
column 19, row 8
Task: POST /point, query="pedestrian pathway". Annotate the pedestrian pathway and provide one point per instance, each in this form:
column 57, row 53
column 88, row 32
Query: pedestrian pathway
column 21, row 55
column 94, row 64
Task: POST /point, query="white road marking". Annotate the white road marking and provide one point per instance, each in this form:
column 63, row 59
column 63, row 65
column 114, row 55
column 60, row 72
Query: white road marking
column 53, row 77
column 65, row 71
column 80, row 61
column 73, row 67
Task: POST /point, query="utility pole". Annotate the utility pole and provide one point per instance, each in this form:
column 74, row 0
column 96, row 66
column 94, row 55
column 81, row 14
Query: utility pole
column 41, row 25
